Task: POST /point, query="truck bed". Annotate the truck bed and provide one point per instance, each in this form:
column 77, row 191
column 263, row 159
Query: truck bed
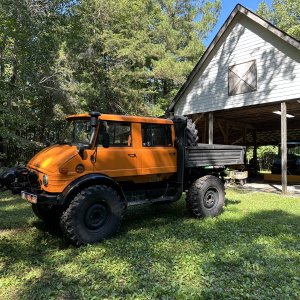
column 214, row 155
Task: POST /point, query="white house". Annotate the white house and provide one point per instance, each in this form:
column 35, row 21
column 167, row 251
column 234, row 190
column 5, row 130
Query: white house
column 235, row 91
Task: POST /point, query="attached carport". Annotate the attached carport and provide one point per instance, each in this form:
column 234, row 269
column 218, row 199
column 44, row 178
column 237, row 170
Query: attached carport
column 249, row 125
column 246, row 87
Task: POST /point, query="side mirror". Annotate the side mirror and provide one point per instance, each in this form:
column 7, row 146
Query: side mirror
column 105, row 140
column 80, row 149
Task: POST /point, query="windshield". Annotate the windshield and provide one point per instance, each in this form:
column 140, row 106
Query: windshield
column 77, row 131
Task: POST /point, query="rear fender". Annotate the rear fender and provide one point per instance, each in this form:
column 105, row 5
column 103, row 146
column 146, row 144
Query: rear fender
column 83, row 182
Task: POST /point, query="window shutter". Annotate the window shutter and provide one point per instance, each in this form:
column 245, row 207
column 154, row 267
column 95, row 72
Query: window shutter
column 242, row 78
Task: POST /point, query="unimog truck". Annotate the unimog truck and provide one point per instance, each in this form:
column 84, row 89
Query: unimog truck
column 106, row 163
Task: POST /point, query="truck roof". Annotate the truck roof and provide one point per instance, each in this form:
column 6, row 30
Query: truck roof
column 122, row 118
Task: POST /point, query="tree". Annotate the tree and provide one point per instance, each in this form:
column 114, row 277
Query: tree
column 284, row 14
column 134, row 55
column 29, row 40
column 63, row 56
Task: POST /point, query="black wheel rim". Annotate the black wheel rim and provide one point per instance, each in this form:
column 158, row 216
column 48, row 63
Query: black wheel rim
column 211, row 198
column 96, row 216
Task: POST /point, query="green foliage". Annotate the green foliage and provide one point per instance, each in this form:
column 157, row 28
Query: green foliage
column 134, row 55
column 265, row 156
column 251, row 251
column 284, row 14
column 29, row 87
column 64, row 56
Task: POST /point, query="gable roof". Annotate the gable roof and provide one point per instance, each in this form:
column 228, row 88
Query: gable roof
column 238, row 10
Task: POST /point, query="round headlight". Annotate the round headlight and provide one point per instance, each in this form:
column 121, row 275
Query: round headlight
column 45, row 180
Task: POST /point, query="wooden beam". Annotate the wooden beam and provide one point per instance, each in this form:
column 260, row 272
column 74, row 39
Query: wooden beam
column 210, row 128
column 283, row 148
column 239, row 125
column 204, row 130
column 244, row 136
column 254, row 136
column 226, row 140
column 198, row 118
column 244, row 143
column 235, row 124
column 224, row 129
column 221, row 127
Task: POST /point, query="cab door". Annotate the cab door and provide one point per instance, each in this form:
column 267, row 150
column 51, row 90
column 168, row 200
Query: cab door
column 121, row 158
column 158, row 152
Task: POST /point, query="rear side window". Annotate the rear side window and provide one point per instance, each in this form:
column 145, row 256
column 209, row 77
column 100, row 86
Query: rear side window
column 119, row 134
column 156, row 135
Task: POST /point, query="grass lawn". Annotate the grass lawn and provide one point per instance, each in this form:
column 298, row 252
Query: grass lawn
column 251, row 251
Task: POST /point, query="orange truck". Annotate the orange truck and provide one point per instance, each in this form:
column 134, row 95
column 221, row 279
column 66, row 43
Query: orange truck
column 106, row 163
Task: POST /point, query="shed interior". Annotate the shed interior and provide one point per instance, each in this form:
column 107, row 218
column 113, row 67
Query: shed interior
column 255, row 125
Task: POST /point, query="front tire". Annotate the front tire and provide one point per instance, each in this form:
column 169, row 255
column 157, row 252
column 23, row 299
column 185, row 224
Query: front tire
column 206, row 197
column 93, row 215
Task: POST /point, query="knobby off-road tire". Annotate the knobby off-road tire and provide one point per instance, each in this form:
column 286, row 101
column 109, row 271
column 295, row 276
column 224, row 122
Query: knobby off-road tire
column 191, row 133
column 206, row 197
column 93, row 215
column 48, row 214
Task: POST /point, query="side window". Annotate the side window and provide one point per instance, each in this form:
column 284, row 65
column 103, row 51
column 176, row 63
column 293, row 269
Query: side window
column 156, row 135
column 119, row 134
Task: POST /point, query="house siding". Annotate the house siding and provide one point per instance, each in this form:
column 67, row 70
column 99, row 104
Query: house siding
column 278, row 70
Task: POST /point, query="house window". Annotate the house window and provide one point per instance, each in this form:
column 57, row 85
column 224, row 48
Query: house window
column 155, row 135
column 242, row 78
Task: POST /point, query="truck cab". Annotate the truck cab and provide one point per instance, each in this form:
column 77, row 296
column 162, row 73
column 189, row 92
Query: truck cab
column 120, row 147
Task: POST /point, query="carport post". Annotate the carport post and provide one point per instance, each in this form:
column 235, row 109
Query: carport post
column 283, row 148
column 255, row 152
column 210, row 128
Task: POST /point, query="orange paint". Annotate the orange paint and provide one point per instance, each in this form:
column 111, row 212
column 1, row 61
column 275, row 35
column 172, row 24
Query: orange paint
column 136, row 162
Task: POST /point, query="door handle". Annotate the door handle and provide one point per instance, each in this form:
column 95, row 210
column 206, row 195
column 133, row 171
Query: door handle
column 172, row 153
column 132, row 154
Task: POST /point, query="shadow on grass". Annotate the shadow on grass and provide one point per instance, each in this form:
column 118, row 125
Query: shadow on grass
column 14, row 212
column 231, row 202
column 168, row 254
column 52, row 229
column 259, row 248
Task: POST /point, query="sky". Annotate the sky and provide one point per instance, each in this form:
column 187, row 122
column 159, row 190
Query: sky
column 227, row 8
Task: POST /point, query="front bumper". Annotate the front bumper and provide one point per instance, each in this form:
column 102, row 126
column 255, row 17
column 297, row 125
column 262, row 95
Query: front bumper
column 48, row 198
column 42, row 198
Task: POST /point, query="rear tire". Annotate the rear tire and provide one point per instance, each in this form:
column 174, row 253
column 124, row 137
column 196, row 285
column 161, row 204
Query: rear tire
column 206, row 197
column 191, row 133
column 93, row 215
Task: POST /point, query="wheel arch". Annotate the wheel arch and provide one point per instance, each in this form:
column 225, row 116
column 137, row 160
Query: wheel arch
column 86, row 181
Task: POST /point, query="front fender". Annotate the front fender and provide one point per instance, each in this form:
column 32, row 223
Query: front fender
column 85, row 181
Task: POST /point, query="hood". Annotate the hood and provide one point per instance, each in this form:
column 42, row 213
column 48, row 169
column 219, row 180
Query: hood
column 52, row 158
